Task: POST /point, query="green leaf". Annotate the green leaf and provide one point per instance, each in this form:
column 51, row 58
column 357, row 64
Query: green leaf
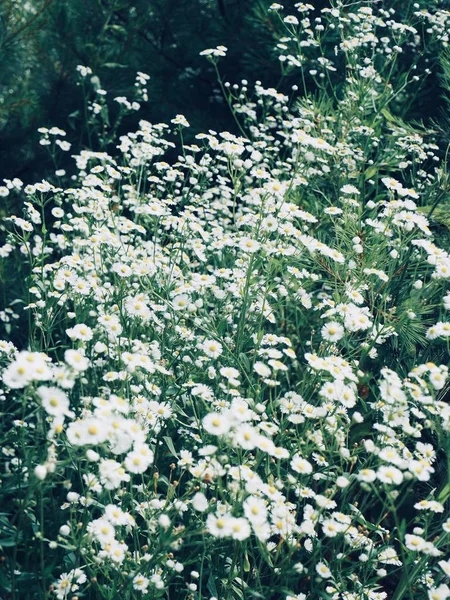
column 246, row 563
column 114, row 65
column 118, row 29
column 170, row 445
column 444, row 494
column 211, row 585
column 4, row 582
column 440, row 215
column 244, row 361
column 255, row 594
column 387, row 115
column 8, row 533
column 370, row 172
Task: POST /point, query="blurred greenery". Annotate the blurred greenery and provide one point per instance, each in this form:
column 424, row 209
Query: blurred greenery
column 42, row 42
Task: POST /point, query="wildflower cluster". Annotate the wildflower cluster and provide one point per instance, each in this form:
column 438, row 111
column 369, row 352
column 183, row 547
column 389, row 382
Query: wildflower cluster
column 235, row 381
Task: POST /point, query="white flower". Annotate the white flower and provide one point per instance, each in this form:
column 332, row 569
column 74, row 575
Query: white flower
column 102, row 530
column 429, row 505
column 216, row 423
column 262, row 369
column 440, row 593
column 249, row 245
column 219, row 525
column 277, row 365
column 389, row 557
column 65, row 146
column 390, row 475
column 342, row 482
column 140, row 583
column 246, row 437
column 92, row 456
column 421, row 469
column 200, row 502
column 54, row 401
column 240, row 528
column 269, row 224
column 229, row 372
column 391, row 183
column 333, row 210
column 80, row 332
column 331, row 528
column 255, row 510
column 112, row 474
column 180, row 302
column 349, row 189
column 117, row 516
column 367, row 475
column 186, row 459
column 446, row 301
column 138, row 461
column 332, row 331
column 164, row 521
column 414, row 542
column 301, row 465
column 40, row 472
column 323, row 571
column 212, row 348
column 218, row 51
column 437, row 379
column 64, row 586
column 90, row 431
column 28, row 366
column 84, row 71
column 445, row 566
column 180, row 120
column 114, row 551
column 76, row 359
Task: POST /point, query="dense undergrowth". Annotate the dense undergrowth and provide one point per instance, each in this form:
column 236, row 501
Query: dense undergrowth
column 230, row 378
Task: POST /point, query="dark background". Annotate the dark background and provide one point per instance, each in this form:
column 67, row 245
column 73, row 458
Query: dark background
column 42, row 42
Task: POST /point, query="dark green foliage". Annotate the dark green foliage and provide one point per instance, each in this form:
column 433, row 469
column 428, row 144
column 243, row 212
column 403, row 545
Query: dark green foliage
column 42, row 42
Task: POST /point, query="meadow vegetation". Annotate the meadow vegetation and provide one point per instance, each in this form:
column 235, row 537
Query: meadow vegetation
column 226, row 373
